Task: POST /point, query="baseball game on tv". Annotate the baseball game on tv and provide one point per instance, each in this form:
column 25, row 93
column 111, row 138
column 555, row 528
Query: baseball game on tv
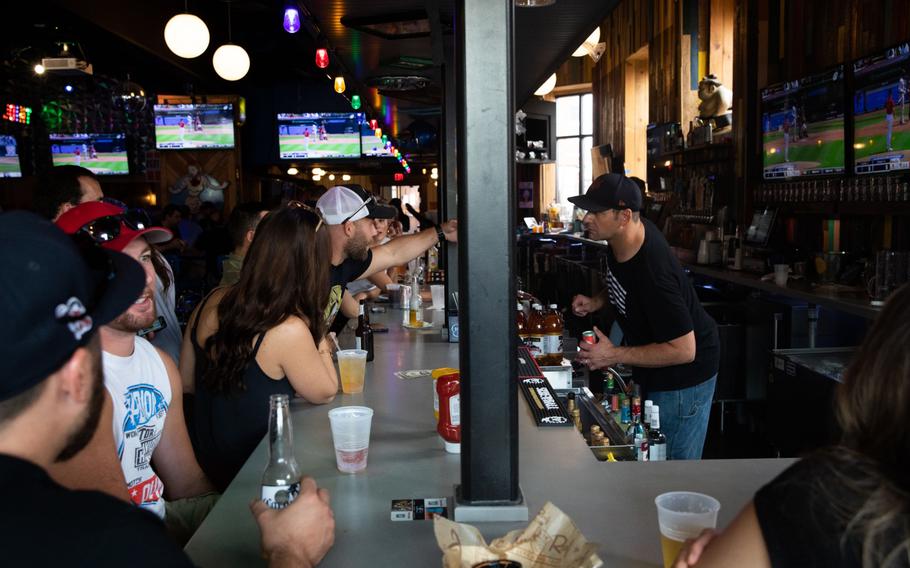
column 803, row 126
column 194, row 126
column 881, row 114
column 319, row 135
column 103, row 154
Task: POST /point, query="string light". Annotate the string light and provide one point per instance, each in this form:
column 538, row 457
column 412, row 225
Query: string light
column 322, row 58
column 355, row 102
column 339, row 84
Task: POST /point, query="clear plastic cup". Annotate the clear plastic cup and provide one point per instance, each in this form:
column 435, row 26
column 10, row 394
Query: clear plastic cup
column 781, row 274
column 351, row 436
column 352, row 367
column 683, row 515
column 439, row 296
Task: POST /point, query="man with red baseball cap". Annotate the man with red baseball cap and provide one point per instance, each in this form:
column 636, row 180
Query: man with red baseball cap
column 143, row 382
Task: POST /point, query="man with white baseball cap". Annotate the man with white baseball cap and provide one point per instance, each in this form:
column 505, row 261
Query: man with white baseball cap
column 348, row 211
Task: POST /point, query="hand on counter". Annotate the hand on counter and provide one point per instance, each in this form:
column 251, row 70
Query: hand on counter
column 301, row 534
column 693, row 548
column 583, row 305
column 599, row 355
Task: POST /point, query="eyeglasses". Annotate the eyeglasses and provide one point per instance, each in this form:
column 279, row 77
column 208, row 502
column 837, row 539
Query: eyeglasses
column 369, row 200
column 294, row 204
column 106, row 229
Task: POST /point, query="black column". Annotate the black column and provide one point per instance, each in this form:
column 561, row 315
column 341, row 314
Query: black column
column 489, row 461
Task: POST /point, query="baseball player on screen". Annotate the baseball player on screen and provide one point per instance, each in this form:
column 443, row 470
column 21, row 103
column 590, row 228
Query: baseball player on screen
column 903, row 90
column 786, row 128
column 889, row 119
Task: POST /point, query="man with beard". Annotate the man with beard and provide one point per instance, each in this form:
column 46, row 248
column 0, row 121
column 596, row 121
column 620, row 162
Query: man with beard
column 150, row 435
column 349, row 212
column 52, row 300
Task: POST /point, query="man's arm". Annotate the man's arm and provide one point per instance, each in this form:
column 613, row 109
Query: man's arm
column 403, row 249
column 602, row 354
column 174, row 460
column 381, row 279
column 96, row 466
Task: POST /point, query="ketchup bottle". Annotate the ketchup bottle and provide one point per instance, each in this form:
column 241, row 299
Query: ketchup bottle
column 448, row 387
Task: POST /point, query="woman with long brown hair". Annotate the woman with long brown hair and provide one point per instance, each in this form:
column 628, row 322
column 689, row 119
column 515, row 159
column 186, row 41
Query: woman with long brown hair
column 849, row 504
column 265, row 335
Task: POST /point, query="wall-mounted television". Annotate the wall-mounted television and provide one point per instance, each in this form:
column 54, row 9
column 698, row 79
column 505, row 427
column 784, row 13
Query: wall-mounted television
column 371, row 145
column 319, row 135
column 9, row 157
column 881, row 111
column 103, row 154
column 803, row 126
column 194, row 126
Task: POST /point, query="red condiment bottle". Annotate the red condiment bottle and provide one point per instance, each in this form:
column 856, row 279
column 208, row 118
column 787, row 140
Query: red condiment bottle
column 448, row 387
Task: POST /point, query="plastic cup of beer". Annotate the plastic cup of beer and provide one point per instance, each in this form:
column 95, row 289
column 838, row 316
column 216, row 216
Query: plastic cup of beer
column 683, row 515
column 352, row 366
column 351, row 436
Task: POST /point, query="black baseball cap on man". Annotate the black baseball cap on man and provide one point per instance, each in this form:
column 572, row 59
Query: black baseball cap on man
column 54, row 295
column 377, row 210
column 610, row 191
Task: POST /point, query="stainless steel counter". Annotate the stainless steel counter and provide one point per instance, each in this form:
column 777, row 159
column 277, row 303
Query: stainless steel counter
column 612, row 503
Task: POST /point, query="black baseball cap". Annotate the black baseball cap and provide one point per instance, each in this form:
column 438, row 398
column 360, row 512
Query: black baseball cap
column 609, row 191
column 54, row 295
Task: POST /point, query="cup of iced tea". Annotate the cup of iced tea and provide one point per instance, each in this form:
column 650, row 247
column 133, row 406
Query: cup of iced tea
column 352, row 367
column 683, row 515
column 351, row 436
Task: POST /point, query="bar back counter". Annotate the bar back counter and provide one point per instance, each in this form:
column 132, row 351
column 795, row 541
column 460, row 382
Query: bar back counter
column 612, row 503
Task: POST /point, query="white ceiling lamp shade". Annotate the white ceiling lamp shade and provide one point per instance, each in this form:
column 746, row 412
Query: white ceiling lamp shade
column 231, row 62
column 186, row 35
column 591, row 47
column 592, row 40
column 547, row 86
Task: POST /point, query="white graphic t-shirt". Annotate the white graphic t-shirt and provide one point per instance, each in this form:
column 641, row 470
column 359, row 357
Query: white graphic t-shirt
column 141, row 392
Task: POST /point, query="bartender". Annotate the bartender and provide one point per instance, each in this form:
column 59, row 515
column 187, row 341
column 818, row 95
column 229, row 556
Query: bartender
column 670, row 342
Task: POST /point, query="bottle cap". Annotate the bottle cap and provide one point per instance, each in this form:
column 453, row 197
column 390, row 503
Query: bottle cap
column 453, row 448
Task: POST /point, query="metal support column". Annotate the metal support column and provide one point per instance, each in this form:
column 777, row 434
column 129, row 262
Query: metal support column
column 489, row 463
column 448, row 172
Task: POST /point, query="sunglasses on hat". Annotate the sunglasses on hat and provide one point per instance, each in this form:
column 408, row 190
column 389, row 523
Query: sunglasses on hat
column 106, row 229
column 294, row 204
column 368, row 200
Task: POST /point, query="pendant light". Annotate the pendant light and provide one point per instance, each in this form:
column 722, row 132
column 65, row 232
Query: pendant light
column 231, row 61
column 291, row 23
column 186, row 35
column 547, row 86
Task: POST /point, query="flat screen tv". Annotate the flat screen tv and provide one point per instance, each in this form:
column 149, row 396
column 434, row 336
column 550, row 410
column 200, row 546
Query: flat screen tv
column 9, row 157
column 103, row 154
column 319, row 135
column 803, row 126
column 194, row 126
column 371, row 145
column 881, row 111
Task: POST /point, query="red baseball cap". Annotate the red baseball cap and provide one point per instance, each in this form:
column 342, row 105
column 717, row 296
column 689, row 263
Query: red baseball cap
column 85, row 213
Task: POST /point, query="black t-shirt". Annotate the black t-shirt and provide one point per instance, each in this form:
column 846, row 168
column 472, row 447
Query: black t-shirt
column 340, row 276
column 804, row 513
column 655, row 303
column 44, row 524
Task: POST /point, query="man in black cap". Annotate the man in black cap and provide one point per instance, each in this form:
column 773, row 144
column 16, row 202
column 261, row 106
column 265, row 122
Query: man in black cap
column 670, row 341
column 348, row 211
column 52, row 302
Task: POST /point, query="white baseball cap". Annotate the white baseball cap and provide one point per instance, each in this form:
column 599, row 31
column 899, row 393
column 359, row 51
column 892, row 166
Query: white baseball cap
column 340, row 204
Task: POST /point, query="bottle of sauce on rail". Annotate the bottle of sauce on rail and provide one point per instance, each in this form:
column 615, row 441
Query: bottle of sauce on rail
column 448, row 387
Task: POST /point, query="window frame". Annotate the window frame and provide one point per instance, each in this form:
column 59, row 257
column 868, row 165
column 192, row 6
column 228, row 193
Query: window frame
column 581, row 136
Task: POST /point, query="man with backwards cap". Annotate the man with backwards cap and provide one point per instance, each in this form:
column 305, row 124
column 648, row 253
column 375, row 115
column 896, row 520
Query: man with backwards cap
column 52, row 301
column 149, row 432
column 349, row 212
column 671, row 343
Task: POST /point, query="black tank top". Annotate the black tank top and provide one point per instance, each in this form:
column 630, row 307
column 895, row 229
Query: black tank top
column 227, row 426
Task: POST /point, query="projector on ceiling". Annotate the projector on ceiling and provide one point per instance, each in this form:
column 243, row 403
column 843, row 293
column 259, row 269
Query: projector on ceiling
column 66, row 66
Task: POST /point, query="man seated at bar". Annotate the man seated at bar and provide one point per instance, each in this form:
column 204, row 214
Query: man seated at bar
column 265, row 335
column 51, row 393
column 372, row 287
column 848, row 504
column 671, row 343
column 242, row 227
column 349, row 213
column 159, row 470
column 63, row 188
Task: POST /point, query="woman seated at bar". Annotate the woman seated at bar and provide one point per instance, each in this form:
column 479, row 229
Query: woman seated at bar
column 848, row 504
column 265, row 335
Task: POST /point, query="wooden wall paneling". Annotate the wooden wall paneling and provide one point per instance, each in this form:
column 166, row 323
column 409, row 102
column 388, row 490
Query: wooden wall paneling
column 720, row 59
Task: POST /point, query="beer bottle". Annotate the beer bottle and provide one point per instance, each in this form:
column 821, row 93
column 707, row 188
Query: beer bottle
column 657, row 441
column 552, row 339
column 281, row 478
column 363, row 335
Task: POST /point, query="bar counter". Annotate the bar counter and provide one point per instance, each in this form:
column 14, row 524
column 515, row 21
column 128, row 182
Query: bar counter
column 612, row 503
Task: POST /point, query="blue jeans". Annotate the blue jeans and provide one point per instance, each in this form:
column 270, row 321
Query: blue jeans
column 684, row 418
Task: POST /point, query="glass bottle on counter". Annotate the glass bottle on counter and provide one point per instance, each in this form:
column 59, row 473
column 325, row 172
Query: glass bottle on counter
column 363, row 334
column 536, row 332
column 552, row 338
column 626, row 413
column 657, row 442
column 576, row 418
column 636, row 431
column 415, row 315
column 570, row 403
column 647, row 414
column 281, row 478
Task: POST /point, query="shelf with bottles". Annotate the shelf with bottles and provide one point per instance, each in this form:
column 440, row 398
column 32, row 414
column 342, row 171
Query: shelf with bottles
column 882, row 191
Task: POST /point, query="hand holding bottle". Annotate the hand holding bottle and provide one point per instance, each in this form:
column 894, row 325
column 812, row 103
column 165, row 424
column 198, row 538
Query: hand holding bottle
column 302, row 533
